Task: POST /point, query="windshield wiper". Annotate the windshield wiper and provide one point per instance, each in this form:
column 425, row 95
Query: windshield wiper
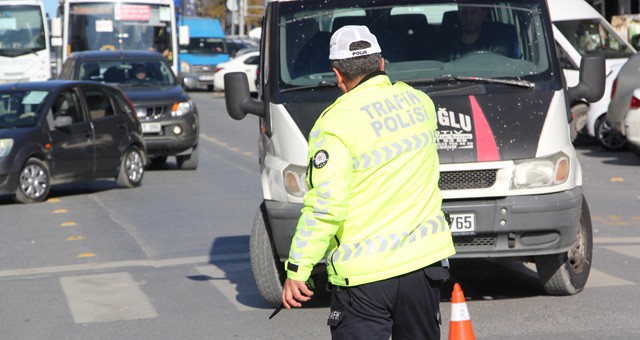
column 513, row 82
column 323, row 83
column 449, row 78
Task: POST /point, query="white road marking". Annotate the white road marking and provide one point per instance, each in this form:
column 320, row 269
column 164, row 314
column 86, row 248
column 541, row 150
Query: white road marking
column 121, row 264
column 106, row 297
column 600, row 279
column 631, row 251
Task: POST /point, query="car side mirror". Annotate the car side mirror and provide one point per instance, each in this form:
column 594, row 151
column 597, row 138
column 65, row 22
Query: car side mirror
column 592, row 79
column 62, row 121
column 238, row 98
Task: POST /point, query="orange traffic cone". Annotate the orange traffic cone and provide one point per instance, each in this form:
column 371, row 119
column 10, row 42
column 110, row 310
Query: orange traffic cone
column 460, row 325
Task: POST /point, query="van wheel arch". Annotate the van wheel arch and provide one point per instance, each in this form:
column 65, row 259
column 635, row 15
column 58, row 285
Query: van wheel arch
column 567, row 273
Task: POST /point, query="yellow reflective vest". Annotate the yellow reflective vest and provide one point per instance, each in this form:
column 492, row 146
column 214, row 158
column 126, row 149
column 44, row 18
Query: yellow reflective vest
column 373, row 208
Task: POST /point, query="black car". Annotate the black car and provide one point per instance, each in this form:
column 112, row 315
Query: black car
column 168, row 115
column 62, row 131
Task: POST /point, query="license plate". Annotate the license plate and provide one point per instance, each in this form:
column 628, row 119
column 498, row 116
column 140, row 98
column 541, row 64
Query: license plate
column 151, row 127
column 463, row 224
column 206, row 78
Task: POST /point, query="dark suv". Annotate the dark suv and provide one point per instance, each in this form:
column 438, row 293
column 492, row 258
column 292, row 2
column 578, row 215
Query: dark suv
column 168, row 115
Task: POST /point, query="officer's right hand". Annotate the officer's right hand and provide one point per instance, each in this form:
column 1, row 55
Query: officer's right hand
column 294, row 292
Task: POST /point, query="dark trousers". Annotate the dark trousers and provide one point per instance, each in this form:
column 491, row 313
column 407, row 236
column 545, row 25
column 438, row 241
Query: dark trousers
column 404, row 307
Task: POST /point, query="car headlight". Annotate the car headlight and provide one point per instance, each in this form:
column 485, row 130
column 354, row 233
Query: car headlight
column 541, row 172
column 185, row 66
column 294, row 180
column 181, row 109
column 5, row 146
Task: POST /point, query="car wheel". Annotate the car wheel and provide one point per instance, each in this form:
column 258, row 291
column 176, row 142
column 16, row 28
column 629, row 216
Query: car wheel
column 188, row 162
column 33, row 182
column 609, row 138
column 131, row 169
column 567, row 273
column 268, row 270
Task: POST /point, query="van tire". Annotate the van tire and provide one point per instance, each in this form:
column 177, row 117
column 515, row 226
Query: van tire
column 609, row 138
column 567, row 273
column 268, row 270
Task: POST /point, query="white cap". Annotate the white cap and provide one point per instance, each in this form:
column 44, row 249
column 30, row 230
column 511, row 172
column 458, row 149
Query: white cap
column 342, row 38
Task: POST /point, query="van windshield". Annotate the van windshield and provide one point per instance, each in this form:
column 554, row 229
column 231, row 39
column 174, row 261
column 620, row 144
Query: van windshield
column 505, row 39
column 592, row 36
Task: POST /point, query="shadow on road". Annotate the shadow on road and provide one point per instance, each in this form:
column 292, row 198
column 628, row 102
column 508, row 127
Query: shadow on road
column 589, row 147
column 480, row 279
column 492, row 279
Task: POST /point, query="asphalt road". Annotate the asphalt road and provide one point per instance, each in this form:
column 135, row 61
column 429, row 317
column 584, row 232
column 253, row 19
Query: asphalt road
column 169, row 260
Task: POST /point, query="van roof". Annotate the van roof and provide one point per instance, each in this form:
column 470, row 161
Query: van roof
column 561, row 10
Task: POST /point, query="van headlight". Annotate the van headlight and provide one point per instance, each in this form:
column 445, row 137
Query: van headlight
column 294, row 180
column 181, row 109
column 5, row 146
column 541, row 172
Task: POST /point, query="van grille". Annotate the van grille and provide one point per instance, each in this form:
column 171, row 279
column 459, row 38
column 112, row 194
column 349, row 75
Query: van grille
column 475, row 179
column 474, row 241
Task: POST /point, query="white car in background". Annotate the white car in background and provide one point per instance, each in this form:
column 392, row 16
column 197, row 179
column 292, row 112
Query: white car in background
column 247, row 63
column 579, row 30
column 623, row 114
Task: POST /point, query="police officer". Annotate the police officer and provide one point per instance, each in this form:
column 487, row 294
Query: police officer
column 373, row 207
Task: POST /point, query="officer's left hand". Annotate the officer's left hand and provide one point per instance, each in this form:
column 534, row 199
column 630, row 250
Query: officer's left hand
column 294, row 292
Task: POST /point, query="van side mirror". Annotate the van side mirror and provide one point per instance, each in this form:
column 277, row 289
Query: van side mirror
column 183, row 35
column 592, row 79
column 238, row 98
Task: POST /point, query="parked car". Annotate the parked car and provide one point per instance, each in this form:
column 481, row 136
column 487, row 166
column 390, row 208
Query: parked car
column 247, row 63
column 623, row 114
column 63, row 131
column 579, row 31
column 168, row 115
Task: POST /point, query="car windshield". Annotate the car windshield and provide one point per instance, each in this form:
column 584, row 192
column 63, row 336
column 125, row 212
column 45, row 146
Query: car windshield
column 205, row 46
column 418, row 40
column 592, row 36
column 128, row 72
column 20, row 108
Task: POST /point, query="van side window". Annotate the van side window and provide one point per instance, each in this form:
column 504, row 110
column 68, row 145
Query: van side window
column 98, row 104
column 565, row 60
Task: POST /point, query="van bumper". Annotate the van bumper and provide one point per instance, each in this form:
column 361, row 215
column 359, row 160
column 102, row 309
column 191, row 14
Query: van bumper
column 516, row 226
column 519, row 226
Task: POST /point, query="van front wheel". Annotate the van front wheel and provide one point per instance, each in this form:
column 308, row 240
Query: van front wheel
column 268, row 270
column 567, row 273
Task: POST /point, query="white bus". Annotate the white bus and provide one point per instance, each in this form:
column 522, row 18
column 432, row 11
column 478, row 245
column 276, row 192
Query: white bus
column 24, row 42
column 120, row 25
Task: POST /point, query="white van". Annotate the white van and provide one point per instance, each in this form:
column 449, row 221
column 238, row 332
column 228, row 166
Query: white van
column 580, row 30
column 509, row 174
